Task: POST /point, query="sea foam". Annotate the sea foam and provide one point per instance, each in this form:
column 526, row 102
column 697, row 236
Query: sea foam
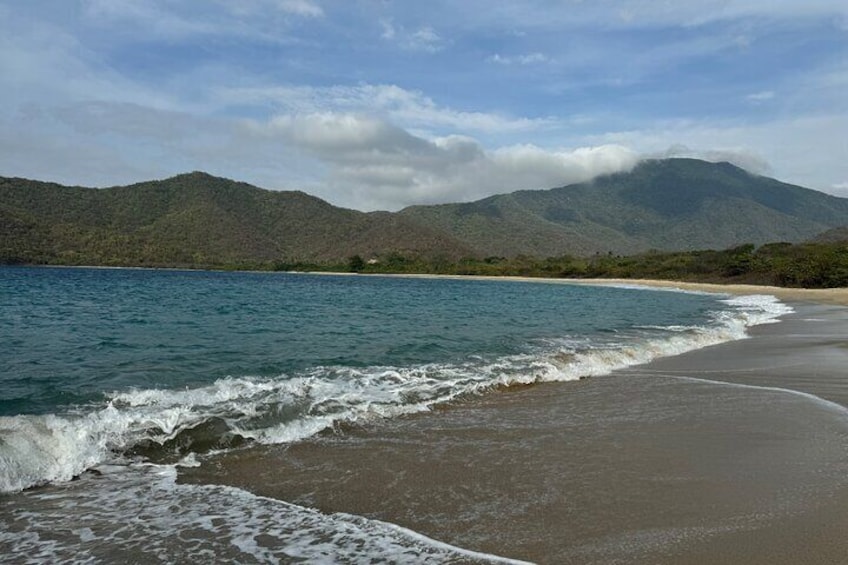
column 142, row 511
column 170, row 424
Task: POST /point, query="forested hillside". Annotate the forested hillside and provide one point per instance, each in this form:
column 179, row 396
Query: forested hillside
column 197, row 220
column 672, row 204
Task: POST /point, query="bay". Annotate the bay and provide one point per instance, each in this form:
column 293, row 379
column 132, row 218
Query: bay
column 112, row 379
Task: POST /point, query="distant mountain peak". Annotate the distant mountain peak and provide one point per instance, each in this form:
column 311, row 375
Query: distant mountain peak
column 666, row 204
column 199, row 176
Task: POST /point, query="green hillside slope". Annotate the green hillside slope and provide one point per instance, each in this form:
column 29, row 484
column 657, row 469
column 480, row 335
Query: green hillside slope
column 672, row 204
column 196, row 219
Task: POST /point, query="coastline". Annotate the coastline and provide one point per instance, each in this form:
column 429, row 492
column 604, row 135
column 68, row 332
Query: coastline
column 837, row 296
column 730, row 453
column 733, row 453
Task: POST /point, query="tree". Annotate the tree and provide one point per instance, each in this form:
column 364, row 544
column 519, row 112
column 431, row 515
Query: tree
column 355, row 264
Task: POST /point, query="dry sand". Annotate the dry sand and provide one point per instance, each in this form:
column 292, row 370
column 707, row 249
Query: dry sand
column 821, row 295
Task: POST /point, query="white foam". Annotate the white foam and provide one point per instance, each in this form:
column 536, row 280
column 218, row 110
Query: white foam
column 637, row 286
column 828, row 405
column 40, row 449
column 757, row 309
column 143, row 512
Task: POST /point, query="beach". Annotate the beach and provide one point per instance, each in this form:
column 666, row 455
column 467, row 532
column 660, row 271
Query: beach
column 736, row 453
column 837, row 296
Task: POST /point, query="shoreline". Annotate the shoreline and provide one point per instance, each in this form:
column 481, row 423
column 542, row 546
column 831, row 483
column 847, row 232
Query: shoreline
column 838, row 296
column 722, row 454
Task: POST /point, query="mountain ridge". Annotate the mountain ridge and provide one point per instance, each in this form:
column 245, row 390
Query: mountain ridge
column 196, row 219
column 671, row 204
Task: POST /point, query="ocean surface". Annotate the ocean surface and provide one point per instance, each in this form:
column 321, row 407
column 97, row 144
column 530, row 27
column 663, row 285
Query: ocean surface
column 112, row 379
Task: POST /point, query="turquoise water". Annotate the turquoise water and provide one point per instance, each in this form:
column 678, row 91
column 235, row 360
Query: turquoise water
column 110, row 380
column 71, row 335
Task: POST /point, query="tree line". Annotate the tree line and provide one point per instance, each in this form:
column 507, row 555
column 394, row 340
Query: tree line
column 810, row 265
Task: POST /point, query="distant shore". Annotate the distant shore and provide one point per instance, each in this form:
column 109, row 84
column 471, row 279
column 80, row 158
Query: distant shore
column 819, row 295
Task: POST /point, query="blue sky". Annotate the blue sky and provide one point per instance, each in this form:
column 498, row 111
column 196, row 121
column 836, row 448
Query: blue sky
column 378, row 104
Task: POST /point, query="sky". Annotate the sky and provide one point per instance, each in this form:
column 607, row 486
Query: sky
column 380, row 104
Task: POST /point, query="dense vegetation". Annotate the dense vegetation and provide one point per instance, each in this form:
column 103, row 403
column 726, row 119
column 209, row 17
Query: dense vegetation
column 195, row 220
column 669, row 205
column 599, row 229
column 811, row 265
column 806, row 265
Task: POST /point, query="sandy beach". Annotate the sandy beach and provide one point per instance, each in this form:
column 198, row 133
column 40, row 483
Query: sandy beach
column 818, row 295
column 736, row 453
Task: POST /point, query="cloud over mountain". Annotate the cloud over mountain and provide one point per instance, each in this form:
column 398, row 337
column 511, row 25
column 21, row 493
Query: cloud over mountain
column 382, row 165
column 379, row 104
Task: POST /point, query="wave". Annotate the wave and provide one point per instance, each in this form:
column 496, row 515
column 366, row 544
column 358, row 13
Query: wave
column 164, row 425
column 143, row 511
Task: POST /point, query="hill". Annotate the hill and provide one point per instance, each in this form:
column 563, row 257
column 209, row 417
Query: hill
column 199, row 220
column 196, row 220
column 671, row 204
column 835, row 235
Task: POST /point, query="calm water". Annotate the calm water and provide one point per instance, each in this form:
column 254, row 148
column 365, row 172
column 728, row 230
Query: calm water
column 128, row 373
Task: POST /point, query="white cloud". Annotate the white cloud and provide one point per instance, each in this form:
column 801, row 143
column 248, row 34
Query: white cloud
column 840, row 189
column 408, row 108
column 760, row 96
column 528, row 59
column 739, row 156
column 424, row 39
column 376, row 165
column 261, row 20
column 343, row 137
column 612, row 14
column 147, row 16
column 301, row 8
column 84, row 106
column 42, row 63
column 772, row 147
column 264, row 8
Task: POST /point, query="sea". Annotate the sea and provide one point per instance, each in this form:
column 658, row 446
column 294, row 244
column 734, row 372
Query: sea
column 112, row 380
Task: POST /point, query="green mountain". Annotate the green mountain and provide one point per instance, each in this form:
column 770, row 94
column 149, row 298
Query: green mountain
column 199, row 220
column 196, row 219
column 671, row 204
column 835, row 235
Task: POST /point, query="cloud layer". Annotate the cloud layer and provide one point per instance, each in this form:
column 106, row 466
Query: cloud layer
column 377, row 105
column 379, row 165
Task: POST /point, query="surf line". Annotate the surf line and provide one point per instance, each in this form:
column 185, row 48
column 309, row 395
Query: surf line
column 421, row 538
column 657, row 372
column 828, row 404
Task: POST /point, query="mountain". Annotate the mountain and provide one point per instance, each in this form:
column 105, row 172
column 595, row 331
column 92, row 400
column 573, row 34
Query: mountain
column 196, row 219
column 200, row 220
column 835, row 235
column 671, row 204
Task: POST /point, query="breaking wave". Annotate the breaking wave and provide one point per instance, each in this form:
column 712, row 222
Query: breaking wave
column 164, row 425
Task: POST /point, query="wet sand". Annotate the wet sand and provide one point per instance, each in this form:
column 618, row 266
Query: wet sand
column 700, row 458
